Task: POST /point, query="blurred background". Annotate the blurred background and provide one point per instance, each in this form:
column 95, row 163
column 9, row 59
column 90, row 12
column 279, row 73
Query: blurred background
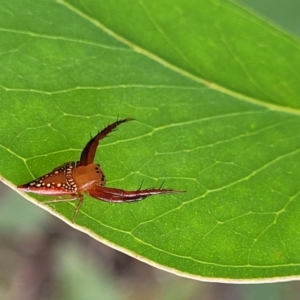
column 41, row 258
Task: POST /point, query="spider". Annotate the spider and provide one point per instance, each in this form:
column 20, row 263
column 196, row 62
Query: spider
column 84, row 176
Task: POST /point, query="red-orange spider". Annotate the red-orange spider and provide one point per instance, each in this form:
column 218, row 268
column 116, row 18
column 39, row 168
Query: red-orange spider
column 74, row 178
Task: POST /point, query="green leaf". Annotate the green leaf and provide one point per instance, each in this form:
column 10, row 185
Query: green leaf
column 215, row 94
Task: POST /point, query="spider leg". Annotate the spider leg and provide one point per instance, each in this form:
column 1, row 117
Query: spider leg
column 66, row 198
column 118, row 195
column 81, row 198
column 72, row 197
column 89, row 151
column 162, row 184
column 141, row 185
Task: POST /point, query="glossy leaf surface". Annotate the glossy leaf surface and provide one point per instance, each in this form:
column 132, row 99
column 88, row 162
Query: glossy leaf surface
column 215, row 92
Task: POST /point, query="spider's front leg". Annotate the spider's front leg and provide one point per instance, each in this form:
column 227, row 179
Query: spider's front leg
column 89, row 151
column 118, row 195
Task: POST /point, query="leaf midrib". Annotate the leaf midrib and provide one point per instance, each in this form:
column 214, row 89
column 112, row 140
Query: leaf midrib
column 154, row 57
